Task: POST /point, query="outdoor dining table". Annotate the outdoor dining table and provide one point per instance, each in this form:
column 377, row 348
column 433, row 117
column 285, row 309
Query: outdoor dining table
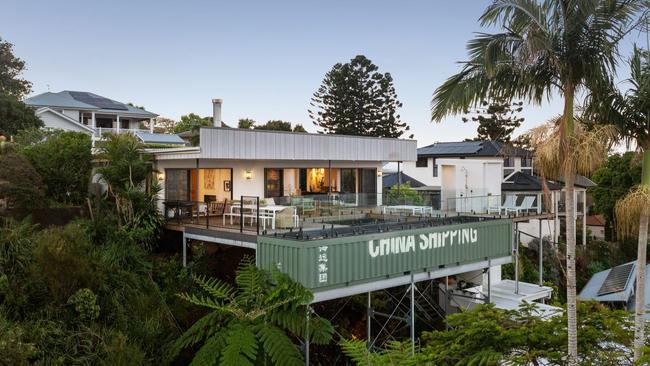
column 266, row 212
column 415, row 210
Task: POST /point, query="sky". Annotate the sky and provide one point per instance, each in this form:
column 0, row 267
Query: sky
column 265, row 59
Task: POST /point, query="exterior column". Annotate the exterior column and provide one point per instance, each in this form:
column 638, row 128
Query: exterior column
column 93, row 122
column 556, row 221
column 184, row 251
column 541, row 249
column 151, row 120
column 399, row 180
column 584, row 218
column 118, row 124
column 516, row 236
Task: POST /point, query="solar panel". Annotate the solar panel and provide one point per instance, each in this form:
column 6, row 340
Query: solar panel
column 97, row 101
column 617, row 279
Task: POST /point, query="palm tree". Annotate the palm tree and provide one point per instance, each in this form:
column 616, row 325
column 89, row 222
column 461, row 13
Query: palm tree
column 630, row 111
column 546, row 48
column 248, row 325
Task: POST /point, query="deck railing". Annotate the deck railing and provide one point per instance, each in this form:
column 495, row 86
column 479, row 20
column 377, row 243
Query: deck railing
column 100, row 131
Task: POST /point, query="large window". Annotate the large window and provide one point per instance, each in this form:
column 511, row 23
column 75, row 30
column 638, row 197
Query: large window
column 348, row 180
column 273, row 182
column 177, row 184
column 422, row 162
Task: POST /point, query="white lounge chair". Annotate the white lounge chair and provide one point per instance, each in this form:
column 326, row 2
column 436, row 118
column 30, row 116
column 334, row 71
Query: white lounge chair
column 526, row 205
column 509, row 204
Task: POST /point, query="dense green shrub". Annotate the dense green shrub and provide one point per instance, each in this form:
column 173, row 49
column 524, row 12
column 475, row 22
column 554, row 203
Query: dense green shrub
column 63, row 159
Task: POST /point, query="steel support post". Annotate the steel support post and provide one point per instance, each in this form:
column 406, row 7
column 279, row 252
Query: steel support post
column 446, row 301
column 489, row 281
column 369, row 320
column 516, row 258
column 584, row 218
column 412, row 317
column 184, row 251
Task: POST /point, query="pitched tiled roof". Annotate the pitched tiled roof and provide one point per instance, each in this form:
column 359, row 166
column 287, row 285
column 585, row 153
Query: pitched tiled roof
column 596, row 220
column 390, row 179
column 471, row 148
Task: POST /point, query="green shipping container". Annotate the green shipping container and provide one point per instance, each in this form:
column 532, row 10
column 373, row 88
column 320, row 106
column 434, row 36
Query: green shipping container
column 338, row 262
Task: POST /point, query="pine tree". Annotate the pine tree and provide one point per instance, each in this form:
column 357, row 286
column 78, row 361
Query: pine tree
column 356, row 99
column 496, row 119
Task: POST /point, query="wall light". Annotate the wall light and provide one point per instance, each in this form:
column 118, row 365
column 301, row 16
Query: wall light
column 248, row 174
column 161, row 176
column 379, row 173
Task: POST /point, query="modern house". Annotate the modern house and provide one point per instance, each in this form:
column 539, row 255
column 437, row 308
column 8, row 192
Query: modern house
column 312, row 205
column 491, row 177
column 93, row 114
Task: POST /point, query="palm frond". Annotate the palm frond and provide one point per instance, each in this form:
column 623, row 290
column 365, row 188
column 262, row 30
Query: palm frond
column 629, row 209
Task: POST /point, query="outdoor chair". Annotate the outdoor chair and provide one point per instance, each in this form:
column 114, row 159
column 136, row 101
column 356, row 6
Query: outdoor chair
column 509, row 204
column 526, row 205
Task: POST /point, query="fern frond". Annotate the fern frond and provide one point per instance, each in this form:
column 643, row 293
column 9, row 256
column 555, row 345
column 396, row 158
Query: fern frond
column 203, row 329
column 253, row 283
column 278, row 345
column 320, row 330
column 209, row 353
column 241, row 346
column 217, row 289
column 292, row 320
column 358, row 352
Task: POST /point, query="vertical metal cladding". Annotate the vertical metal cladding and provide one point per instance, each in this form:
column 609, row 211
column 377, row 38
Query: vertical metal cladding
column 330, row 263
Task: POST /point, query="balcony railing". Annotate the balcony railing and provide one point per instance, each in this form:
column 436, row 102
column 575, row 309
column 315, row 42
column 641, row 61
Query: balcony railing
column 255, row 215
column 100, row 131
column 510, row 204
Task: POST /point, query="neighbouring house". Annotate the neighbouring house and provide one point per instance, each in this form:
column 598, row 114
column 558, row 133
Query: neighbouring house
column 90, row 113
column 616, row 287
column 596, row 224
column 491, row 177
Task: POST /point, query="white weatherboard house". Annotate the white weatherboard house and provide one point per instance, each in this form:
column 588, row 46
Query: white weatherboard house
column 93, row 114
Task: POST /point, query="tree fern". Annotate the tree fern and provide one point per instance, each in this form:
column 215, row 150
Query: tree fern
column 249, row 324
